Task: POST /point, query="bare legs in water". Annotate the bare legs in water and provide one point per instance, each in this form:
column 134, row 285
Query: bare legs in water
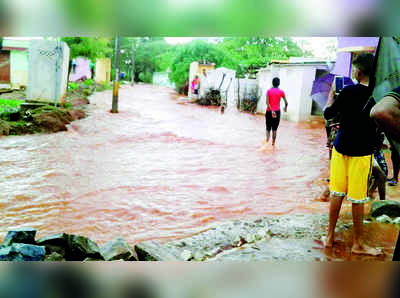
column 358, row 215
column 273, row 137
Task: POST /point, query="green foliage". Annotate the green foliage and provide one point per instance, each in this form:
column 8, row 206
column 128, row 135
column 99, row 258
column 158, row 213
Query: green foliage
column 89, row 82
column 8, row 107
column 9, row 103
column 73, row 86
column 196, row 51
column 243, row 54
column 89, row 47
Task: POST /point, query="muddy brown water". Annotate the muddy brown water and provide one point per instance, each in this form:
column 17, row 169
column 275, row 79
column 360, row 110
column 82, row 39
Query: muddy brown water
column 158, row 170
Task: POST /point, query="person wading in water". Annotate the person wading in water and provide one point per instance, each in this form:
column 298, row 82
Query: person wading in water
column 273, row 113
column 352, row 155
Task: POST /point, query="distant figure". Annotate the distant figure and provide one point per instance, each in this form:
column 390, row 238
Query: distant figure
column 186, row 88
column 273, row 113
column 196, row 86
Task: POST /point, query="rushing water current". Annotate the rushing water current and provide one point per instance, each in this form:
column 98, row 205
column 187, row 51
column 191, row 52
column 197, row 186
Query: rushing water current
column 158, row 170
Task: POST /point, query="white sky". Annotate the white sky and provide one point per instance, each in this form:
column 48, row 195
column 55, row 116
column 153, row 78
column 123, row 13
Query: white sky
column 318, row 45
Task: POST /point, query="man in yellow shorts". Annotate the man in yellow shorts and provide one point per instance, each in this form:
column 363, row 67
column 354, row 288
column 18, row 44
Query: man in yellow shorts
column 352, row 155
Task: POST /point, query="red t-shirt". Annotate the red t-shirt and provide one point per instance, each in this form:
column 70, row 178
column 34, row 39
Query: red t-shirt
column 274, row 98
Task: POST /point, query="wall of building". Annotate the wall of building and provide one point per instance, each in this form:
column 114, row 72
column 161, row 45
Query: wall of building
column 343, row 59
column 162, row 79
column 48, row 70
column 103, row 70
column 82, row 70
column 19, row 69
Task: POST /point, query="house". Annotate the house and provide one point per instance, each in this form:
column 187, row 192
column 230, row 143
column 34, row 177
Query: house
column 350, row 47
column 297, row 76
column 198, row 68
column 103, row 70
column 80, row 69
column 14, row 63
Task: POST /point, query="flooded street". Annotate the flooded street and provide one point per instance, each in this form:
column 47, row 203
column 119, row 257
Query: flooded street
column 158, row 170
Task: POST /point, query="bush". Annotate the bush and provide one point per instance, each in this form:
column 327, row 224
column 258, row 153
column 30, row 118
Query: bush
column 73, row 86
column 89, row 82
column 9, row 108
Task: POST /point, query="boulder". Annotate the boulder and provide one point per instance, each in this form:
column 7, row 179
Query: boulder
column 80, row 248
column 22, row 252
column 92, row 260
column 153, row 251
column 186, row 255
column 54, row 257
column 384, row 219
column 390, row 208
column 60, row 239
column 76, row 102
column 396, row 221
column 77, row 114
column 116, row 249
column 4, row 128
column 20, row 235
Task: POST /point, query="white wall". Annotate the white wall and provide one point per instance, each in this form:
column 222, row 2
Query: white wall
column 48, row 75
column 162, row 79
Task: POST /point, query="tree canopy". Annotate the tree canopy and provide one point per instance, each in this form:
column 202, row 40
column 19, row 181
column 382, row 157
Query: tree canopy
column 153, row 54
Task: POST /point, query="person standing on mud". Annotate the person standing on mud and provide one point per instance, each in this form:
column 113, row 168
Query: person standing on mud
column 352, row 155
column 273, row 113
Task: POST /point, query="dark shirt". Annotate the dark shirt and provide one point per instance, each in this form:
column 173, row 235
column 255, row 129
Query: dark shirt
column 357, row 131
column 395, row 93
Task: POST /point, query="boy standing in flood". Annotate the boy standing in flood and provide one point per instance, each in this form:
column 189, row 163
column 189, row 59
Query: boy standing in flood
column 273, row 113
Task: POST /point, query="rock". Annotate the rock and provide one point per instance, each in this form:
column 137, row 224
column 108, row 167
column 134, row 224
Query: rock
column 54, row 257
column 390, row 208
column 60, row 239
column 22, row 252
column 396, row 221
column 250, row 238
column 79, row 101
column 153, row 251
column 77, row 114
column 20, row 235
column 50, row 249
column 4, row 128
column 198, row 256
column 92, row 260
column 116, row 249
column 186, row 255
column 384, row 219
column 80, row 248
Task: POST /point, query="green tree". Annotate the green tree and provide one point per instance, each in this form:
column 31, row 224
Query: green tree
column 196, row 51
column 89, row 47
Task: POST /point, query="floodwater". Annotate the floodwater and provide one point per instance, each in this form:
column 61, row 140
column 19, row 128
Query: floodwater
column 158, row 170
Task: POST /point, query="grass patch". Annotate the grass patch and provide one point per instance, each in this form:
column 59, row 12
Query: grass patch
column 9, row 103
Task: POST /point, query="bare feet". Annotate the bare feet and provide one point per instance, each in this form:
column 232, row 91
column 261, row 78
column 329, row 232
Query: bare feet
column 364, row 249
column 330, row 240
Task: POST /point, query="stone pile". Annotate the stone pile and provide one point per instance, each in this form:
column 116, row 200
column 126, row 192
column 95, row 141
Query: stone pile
column 21, row 245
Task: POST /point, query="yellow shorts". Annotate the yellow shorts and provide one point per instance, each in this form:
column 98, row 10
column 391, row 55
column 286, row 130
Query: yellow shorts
column 350, row 176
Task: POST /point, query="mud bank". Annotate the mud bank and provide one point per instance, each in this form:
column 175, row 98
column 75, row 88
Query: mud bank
column 274, row 238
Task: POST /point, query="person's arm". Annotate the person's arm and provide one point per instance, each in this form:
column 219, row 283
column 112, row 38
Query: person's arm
column 267, row 100
column 333, row 105
column 286, row 103
column 387, row 115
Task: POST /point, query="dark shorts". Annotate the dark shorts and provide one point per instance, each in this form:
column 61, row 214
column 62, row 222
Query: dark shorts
column 196, row 91
column 272, row 123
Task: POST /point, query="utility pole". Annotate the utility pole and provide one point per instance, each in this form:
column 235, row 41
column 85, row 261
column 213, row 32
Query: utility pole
column 117, row 50
column 133, row 62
